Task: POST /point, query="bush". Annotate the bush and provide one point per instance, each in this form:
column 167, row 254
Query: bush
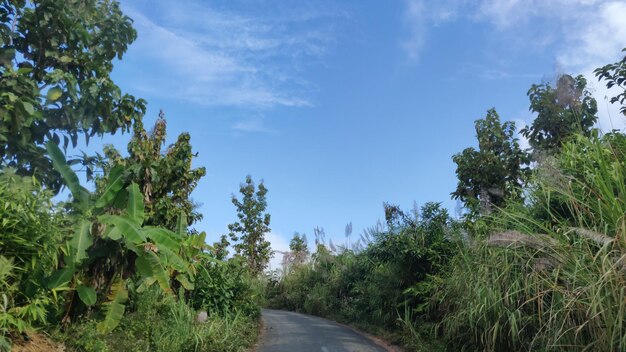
column 225, row 288
column 31, row 232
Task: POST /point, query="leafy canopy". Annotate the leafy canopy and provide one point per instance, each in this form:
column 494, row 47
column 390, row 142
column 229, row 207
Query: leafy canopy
column 55, row 64
column 562, row 111
column 166, row 178
column 494, row 172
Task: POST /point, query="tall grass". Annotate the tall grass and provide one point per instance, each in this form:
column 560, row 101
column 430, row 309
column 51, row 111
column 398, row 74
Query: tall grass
column 552, row 274
column 31, row 231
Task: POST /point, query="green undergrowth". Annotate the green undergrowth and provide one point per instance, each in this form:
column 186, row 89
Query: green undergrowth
column 544, row 274
column 162, row 322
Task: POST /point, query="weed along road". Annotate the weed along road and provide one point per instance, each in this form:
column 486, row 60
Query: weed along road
column 292, row 332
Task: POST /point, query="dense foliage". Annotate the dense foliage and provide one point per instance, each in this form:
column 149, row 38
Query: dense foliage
column 496, row 171
column 31, row 231
column 55, row 64
column 549, row 284
column 116, row 268
column 161, row 322
column 166, row 179
column 562, row 111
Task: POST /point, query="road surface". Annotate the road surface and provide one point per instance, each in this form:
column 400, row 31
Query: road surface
column 292, row 332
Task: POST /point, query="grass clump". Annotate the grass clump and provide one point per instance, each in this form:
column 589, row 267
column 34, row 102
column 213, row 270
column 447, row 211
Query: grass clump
column 550, row 275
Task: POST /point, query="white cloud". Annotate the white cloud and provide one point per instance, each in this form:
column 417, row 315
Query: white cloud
column 415, row 19
column 194, row 52
column 252, row 125
column 421, row 14
column 584, row 34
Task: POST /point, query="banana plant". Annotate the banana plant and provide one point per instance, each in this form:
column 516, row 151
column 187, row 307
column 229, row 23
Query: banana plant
column 102, row 220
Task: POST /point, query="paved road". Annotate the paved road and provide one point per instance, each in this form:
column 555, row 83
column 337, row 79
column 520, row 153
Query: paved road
column 293, row 332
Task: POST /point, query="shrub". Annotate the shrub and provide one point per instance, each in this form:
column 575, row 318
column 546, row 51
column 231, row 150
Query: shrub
column 31, row 232
column 162, row 322
column 225, row 288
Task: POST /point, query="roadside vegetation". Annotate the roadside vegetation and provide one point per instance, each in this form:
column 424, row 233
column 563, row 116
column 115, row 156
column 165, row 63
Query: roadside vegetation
column 536, row 260
column 118, row 265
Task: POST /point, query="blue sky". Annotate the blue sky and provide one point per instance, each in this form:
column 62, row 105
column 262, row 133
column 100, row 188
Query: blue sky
column 341, row 105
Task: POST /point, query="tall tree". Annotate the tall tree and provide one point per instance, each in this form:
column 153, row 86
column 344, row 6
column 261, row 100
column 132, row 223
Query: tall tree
column 249, row 232
column 494, row 172
column 562, row 111
column 165, row 177
column 615, row 76
column 55, row 63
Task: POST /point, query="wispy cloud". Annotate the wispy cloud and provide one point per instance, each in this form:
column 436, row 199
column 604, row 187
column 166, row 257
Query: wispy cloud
column 215, row 57
column 419, row 15
column 253, row 125
column 583, row 30
column 583, row 34
column 415, row 20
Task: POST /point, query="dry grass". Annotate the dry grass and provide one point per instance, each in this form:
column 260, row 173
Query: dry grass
column 37, row 342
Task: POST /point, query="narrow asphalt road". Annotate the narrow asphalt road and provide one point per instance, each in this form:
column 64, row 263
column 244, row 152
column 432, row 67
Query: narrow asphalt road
column 292, row 332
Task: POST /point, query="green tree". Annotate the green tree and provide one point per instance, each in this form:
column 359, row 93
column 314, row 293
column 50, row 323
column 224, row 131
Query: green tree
column 299, row 249
column 249, row 232
column 494, row 172
column 615, row 76
column 166, row 178
column 55, row 64
column 561, row 112
column 220, row 249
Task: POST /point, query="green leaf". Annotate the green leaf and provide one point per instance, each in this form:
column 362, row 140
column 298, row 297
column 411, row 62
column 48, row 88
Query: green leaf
column 145, row 284
column 24, row 70
column 173, row 260
column 113, row 233
column 130, row 232
column 80, row 194
column 158, row 271
column 87, row 295
column 115, row 184
column 181, row 226
column 199, row 240
column 184, row 281
column 81, row 241
column 54, row 94
column 60, row 277
column 114, row 308
column 135, row 208
column 143, row 267
column 163, row 238
column 28, row 107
